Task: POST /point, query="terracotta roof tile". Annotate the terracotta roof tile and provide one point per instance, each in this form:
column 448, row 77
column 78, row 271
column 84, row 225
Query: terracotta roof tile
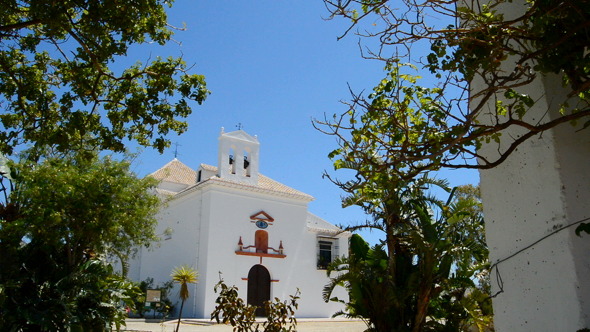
column 209, row 168
column 176, row 172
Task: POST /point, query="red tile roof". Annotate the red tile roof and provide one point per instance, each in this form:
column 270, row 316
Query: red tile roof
column 176, row 172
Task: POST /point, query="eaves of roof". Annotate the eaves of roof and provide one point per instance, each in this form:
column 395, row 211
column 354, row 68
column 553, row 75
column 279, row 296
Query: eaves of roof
column 244, row 186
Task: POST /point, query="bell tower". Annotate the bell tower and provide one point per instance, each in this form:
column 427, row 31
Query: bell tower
column 238, row 157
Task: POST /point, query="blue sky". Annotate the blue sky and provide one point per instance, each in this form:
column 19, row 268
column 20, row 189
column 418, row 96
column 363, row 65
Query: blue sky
column 273, row 66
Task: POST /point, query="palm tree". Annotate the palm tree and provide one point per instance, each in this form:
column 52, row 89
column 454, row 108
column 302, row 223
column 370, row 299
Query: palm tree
column 423, row 278
column 184, row 275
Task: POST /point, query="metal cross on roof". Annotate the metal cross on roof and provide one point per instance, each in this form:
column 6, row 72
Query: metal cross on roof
column 176, row 145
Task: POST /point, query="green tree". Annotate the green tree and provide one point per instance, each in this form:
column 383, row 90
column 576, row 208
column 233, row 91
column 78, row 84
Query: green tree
column 59, row 222
column 420, row 277
column 184, row 275
column 424, row 237
column 442, row 121
column 232, row 310
column 364, row 275
column 98, row 297
column 57, row 83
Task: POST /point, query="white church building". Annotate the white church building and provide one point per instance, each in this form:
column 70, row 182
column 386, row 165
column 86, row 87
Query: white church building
column 254, row 230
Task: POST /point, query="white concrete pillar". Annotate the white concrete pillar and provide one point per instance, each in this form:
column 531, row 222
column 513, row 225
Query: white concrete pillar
column 543, row 187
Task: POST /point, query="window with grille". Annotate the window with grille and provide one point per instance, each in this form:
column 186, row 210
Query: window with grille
column 327, row 251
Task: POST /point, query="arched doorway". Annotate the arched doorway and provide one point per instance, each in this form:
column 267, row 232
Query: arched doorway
column 258, row 288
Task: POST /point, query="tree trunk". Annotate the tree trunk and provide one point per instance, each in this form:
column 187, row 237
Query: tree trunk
column 179, row 315
column 425, row 291
column 422, row 307
column 390, row 238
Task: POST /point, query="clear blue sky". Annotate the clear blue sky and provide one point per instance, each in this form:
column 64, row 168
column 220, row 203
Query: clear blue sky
column 273, row 66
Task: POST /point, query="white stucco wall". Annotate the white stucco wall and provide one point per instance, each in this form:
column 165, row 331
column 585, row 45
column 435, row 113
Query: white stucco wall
column 207, row 224
column 181, row 248
column 229, row 220
column 542, row 187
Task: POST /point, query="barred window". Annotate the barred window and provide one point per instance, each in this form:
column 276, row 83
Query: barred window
column 327, row 250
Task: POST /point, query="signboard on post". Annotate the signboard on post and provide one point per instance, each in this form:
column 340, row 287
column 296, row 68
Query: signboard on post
column 153, row 295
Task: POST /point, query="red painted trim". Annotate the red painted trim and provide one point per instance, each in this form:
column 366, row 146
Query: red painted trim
column 267, row 217
column 259, row 254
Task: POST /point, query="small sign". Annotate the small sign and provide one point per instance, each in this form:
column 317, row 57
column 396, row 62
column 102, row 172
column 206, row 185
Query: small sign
column 153, row 295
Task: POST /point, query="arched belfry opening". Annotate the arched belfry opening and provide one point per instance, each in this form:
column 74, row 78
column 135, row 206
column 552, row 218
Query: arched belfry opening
column 258, row 288
column 246, row 164
column 238, row 156
column 231, row 161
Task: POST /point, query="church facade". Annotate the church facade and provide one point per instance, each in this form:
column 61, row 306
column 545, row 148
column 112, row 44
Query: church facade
column 234, row 223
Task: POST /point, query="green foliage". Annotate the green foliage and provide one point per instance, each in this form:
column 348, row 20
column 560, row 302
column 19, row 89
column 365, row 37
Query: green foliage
column 232, row 310
column 83, row 205
column 57, row 223
column 102, row 299
column 433, row 250
column 426, row 275
column 364, row 273
column 43, row 295
column 442, row 123
column 57, row 87
column 184, row 275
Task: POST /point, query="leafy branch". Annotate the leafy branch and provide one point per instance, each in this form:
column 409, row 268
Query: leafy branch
column 57, row 86
column 480, row 70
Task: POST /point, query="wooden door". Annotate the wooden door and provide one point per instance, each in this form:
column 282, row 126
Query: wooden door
column 261, row 241
column 258, row 288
